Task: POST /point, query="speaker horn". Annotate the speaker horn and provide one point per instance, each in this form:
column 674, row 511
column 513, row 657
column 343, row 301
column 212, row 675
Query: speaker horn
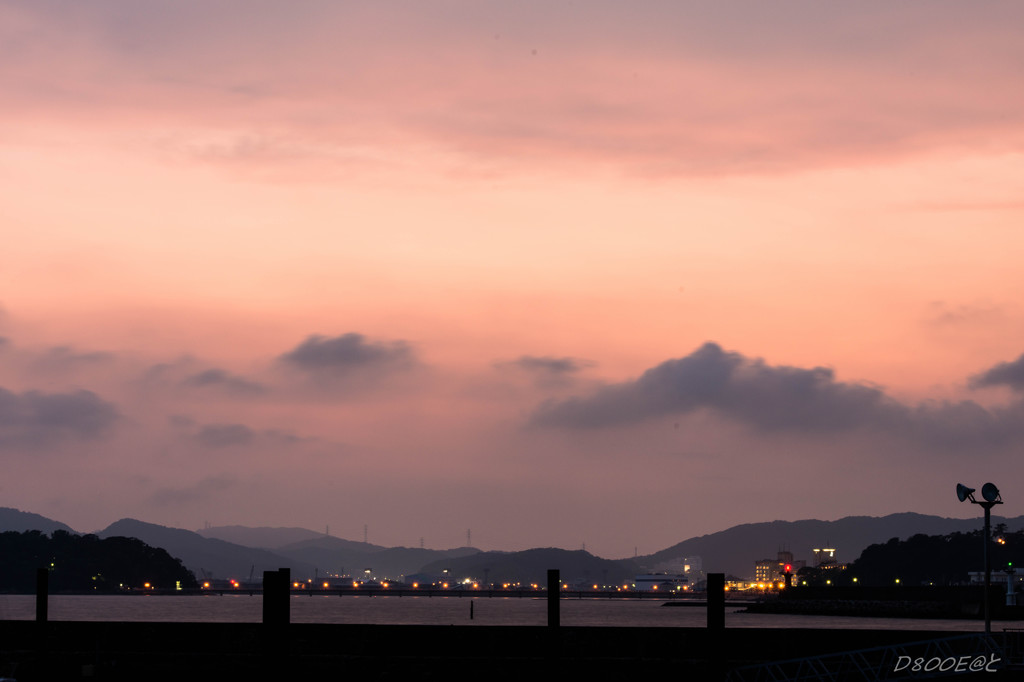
column 963, row 492
column 990, row 492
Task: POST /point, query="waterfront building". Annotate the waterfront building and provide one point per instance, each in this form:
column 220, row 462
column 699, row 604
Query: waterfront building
column 773, row 570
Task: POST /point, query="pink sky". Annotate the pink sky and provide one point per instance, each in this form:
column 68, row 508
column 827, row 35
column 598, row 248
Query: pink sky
column 558, row 273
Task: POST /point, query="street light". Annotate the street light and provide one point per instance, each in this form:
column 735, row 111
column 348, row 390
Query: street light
column 991, row 494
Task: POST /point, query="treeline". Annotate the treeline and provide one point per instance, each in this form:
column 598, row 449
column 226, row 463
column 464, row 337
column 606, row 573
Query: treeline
column 86, row 563
column 926, row 560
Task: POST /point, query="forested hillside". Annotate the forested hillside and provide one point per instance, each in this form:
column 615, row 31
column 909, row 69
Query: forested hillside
column 86, row 563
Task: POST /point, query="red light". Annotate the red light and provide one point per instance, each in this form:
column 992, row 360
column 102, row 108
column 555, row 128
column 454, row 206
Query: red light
column 789, row 568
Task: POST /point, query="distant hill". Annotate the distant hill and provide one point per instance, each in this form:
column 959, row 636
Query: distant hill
column 19, row 521
column 736, row 549
column 531, row 566
column 332, row 555
column 336, row 555
column 207, row 557
column 267, row 538
column 331, row 543
column 732, row 551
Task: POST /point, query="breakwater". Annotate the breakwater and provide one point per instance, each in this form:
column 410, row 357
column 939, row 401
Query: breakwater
column 964, row 602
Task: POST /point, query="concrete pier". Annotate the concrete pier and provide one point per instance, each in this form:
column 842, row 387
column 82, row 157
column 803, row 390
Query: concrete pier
column 231, row 651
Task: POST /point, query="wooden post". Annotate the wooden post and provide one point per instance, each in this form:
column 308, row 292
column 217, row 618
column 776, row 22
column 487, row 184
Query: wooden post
column 715, row 653
column 42, row 594
column 554, row 587
column 269, row 590
column 276, row 590
column 276, row 595
column 716, row 601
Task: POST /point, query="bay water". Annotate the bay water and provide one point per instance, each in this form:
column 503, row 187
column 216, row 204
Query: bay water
column 416, row 610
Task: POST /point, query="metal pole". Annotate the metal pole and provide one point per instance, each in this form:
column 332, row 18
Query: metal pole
column 1011, row 598
column 988, row 568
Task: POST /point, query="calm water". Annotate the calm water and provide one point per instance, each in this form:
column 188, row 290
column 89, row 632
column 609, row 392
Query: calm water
column 440, row 611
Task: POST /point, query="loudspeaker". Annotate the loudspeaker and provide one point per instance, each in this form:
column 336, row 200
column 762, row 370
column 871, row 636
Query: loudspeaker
column 963, row 492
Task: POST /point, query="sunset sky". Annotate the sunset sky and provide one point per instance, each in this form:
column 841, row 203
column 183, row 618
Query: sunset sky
column 557, row 272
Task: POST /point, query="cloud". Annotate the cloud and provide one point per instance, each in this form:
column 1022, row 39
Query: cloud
column 546, row 370
column 66, row 358
column 57, row 359
column 204, row 489
column 181, row 421
column 1009, row 374
column 219, row 378
column 788, row 399
column 942, row 314
column 224, row 435
column 546, row 364
column 966, row 425
column 284, row 437
column 197, row 377
column 658, row 87
column 34, row 419
column 348, row 353
column 768, row 398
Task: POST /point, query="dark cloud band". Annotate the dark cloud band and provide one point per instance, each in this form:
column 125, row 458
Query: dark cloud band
column 553, row 366
column 748, row 390
column 1009, row 374
column 348, row 352
column 219, row 378
column 792, row 399
column 33, row 419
